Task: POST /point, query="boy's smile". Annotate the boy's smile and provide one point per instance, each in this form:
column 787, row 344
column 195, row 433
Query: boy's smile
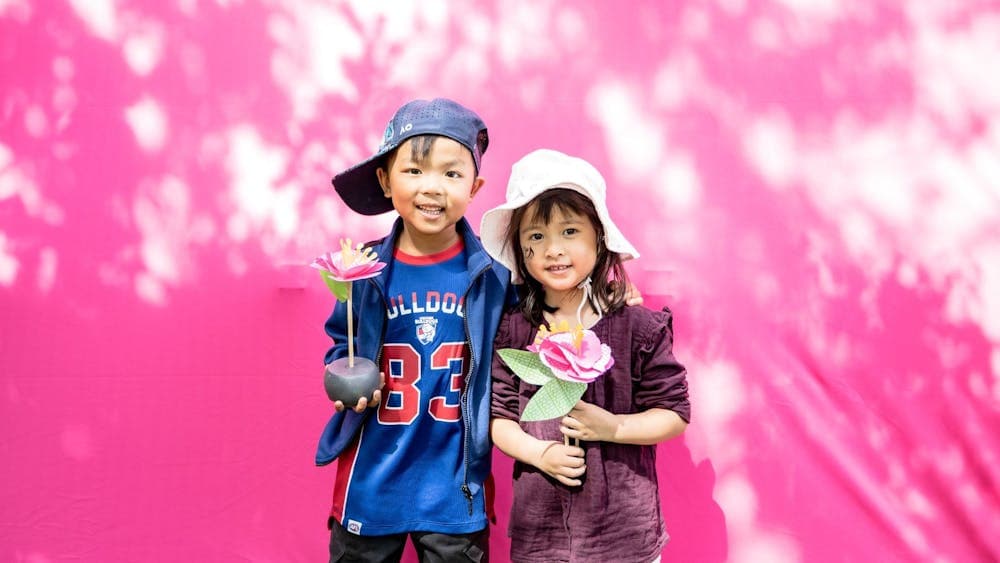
column 430, row 193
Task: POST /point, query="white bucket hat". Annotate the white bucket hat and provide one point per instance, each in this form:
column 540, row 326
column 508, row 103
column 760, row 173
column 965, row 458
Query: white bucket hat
column 536, row 172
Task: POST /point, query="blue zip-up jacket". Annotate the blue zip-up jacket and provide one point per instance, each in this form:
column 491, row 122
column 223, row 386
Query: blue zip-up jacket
column 489, row 293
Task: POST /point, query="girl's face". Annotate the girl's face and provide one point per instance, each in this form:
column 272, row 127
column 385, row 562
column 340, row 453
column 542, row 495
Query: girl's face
column 559, row 254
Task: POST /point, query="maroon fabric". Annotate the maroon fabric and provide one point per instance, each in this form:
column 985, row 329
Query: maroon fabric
column 615, row 515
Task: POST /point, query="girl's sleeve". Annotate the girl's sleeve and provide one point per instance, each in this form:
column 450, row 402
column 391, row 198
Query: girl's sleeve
column 504, row 402
column 659, row 380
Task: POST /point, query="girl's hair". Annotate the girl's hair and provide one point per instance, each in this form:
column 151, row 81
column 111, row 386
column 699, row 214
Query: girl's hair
column 609, row 279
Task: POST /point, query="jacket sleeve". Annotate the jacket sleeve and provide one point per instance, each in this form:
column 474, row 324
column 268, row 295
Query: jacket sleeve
column 342, row 426
column 336, row 329
column 659, row 380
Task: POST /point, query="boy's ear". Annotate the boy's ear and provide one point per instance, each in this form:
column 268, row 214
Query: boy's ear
column 383, row 180
column 477, row 185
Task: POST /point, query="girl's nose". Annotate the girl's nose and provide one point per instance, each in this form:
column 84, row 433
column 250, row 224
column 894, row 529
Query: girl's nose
column 553, row 250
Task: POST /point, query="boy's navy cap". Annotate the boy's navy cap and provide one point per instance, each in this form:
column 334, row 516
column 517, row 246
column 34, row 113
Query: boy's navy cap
column 358, row 186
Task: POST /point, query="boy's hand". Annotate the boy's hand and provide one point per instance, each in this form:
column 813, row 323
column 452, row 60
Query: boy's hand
column 563, row 463
column 633, row 296
column 363, row 402
column 589, row 422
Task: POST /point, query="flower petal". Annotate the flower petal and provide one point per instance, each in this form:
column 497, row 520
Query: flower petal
column 333, row 262
column 571, row 362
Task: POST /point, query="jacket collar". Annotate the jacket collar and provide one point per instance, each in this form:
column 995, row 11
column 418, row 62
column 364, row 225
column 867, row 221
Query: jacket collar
column 477, row 258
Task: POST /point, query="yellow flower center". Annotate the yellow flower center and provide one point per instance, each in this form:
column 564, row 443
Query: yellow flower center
column 356, row 255
column 563, row 326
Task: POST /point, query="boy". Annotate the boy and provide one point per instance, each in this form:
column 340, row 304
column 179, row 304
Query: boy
column 413, row 461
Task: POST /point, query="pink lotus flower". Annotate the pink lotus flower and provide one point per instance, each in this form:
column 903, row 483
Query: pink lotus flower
column 350, row 264
column 573, row 356
column 340, row 270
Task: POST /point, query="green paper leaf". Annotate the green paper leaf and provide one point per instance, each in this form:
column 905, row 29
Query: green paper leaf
column 553, row 400
column 526, row 365
column 338, row 288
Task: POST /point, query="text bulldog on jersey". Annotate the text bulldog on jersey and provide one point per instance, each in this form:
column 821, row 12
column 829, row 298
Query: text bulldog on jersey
column 432, row 302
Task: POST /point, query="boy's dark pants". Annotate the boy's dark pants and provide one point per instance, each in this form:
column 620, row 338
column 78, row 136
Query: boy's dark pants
column 346, row 547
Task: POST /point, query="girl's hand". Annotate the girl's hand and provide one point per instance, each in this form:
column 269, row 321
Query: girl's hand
column 590, row 422
column 563, row 463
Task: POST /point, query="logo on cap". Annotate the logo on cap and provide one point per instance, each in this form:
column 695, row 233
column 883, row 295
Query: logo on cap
column 386, row 136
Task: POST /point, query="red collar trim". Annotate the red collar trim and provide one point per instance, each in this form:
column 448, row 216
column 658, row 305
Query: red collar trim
column 446, row 254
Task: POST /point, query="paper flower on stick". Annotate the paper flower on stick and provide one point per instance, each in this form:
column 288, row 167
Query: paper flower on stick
column 562, row 362
column 340, row 269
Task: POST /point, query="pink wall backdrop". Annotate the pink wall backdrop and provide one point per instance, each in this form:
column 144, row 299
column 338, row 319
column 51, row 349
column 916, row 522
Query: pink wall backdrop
column 814, row 187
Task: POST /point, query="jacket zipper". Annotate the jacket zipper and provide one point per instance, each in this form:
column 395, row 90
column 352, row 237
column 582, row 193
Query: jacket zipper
column 465, row 420
column 465, row 400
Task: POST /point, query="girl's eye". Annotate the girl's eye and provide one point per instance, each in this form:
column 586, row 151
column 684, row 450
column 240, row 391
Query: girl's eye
column 534, row 237
column 411, row 171
column 571, row 231
column 452, row 174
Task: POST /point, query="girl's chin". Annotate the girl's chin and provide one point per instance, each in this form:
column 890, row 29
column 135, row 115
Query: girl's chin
column 558, row 287
column 565, row 280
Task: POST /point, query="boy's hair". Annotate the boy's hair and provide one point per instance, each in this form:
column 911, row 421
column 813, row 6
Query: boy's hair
column 420, row 150
column 609, row 278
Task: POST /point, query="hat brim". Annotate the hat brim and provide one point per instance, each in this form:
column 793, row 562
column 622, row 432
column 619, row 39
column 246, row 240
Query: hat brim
column 358, row 187
column 492, row 233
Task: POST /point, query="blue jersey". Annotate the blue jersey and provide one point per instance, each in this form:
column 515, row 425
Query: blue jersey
column 405, row 471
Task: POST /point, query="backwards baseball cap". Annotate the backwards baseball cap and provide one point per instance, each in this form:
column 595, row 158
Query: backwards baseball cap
column 537, row 172
column 358, row 186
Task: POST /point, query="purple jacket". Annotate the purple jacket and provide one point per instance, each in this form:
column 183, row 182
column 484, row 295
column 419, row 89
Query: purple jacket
column 615, row 515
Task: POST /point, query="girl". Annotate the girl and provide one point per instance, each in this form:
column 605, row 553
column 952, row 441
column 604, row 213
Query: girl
column 597, row 501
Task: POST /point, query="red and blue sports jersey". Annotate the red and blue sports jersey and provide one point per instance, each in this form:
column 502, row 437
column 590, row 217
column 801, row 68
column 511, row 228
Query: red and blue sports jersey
column 406, row 466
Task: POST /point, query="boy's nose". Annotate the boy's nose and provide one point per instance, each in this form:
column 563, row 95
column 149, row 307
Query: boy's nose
column 432, row 184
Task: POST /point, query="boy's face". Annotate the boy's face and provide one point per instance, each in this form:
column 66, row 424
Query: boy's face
column 431, row 193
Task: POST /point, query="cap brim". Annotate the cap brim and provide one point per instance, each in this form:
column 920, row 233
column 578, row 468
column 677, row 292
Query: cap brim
column 359, row 188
